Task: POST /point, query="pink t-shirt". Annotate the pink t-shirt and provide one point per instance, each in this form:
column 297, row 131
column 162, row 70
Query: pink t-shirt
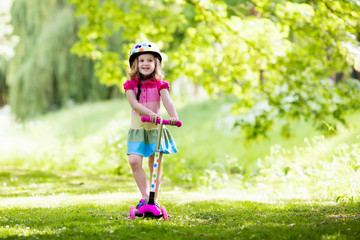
column 149, row 96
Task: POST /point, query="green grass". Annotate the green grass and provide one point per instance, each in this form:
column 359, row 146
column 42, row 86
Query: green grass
column 61, row 205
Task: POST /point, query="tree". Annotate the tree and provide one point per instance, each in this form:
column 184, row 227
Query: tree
column 276, row 57
column 44, row 75
column 7, row 44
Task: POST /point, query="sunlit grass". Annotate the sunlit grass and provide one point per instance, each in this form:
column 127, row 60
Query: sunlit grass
column 17, row 182
column 313, row 172
column 87, row 138
column 102, row 213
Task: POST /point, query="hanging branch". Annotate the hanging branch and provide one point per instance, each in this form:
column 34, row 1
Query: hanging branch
column 339, row 14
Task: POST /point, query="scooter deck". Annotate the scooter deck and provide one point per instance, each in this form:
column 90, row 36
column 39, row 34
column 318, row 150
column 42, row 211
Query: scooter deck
column 147, row 215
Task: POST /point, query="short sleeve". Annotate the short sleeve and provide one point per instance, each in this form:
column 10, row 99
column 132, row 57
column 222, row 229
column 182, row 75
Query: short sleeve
column 129, row 85
column 164, row 85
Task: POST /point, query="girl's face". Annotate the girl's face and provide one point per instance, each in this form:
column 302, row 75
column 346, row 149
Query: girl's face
column 146, row 64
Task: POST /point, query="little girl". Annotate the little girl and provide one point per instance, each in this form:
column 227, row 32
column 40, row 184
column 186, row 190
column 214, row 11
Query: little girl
column 143, row 91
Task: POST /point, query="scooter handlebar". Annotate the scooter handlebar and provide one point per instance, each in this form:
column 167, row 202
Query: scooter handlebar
column 165, row 122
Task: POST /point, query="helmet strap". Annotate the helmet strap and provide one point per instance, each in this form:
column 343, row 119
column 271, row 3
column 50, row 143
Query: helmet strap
column 139, row 92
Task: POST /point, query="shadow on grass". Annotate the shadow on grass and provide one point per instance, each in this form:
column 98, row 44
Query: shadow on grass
column 22, row 183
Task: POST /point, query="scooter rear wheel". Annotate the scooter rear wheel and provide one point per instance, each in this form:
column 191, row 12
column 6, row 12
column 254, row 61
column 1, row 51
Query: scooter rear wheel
column 132, row 212
column 164, row 213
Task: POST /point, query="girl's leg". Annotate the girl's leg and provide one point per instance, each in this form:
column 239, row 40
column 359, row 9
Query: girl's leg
column 158, row 179
column 135, row 162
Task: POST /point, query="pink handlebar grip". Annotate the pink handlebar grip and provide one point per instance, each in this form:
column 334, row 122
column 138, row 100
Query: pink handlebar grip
column 166, row 122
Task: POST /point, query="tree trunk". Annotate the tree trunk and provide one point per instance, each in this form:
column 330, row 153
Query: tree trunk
column 3, row 90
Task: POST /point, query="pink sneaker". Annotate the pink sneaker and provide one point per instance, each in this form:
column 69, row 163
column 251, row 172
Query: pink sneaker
column 141, row 203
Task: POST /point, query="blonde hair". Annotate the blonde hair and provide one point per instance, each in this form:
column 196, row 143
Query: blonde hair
column 134, row 72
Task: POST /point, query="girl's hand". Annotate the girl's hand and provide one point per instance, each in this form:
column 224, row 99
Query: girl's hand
column 153, row 117
column 173, row 120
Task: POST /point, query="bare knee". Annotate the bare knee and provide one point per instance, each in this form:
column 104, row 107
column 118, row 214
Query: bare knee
column 135, row 161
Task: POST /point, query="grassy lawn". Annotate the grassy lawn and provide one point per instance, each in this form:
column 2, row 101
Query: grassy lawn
column 48, row 205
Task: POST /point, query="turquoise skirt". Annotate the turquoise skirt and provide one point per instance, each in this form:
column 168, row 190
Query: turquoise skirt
column 143, row 142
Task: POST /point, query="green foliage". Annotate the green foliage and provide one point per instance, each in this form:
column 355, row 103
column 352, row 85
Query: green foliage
column 266, row 53
column 44, row 75
column 294, row 85
column 294, row 99
column 129, row 21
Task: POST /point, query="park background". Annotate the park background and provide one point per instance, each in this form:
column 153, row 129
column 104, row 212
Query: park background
column 268, row 93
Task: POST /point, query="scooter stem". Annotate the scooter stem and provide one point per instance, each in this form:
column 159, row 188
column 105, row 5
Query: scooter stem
column 160, row 127
column 156, row 165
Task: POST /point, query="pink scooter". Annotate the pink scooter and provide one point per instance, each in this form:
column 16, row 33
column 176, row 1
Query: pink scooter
column 150, row 209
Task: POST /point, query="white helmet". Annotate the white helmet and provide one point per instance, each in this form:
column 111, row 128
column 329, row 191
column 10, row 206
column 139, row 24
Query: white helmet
column 144, row 47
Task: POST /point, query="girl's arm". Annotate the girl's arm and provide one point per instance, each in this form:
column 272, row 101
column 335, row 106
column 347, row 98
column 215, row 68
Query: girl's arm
column 142, row 110
column 169, row 106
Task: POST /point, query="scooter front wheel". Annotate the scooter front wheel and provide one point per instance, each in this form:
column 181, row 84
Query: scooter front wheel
column 132, row 213
column 164, row 213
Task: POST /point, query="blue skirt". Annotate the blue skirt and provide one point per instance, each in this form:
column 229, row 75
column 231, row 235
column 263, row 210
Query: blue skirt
column 143, row 142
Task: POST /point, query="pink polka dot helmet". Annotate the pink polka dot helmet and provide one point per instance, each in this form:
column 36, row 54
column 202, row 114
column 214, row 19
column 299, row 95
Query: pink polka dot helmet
column 144, row 47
